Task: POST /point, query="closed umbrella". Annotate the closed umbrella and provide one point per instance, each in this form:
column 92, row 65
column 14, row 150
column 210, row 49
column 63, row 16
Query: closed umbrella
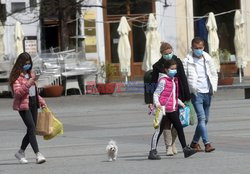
column 239, row 41
column 124, row 49
column 18, row 38
column 213, row 40
column 1, row 41
column 153, row 44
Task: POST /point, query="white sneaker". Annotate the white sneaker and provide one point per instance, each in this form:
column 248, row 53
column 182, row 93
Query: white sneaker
column 21, row 157
column 40, row 158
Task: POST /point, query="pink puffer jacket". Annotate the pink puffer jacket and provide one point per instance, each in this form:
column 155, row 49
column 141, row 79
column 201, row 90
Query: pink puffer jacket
column 21, row 94
column 168, row 97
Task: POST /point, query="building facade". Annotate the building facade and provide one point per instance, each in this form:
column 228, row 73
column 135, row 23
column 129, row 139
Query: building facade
column 187, row 28
column 27, row 13
column 107, row 16
column 177, row 24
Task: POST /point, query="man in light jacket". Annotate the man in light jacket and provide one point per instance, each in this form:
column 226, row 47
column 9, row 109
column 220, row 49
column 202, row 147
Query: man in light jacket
column 202, row 80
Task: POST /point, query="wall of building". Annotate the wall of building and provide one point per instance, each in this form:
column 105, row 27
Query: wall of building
column 166, row 18
column 181, row 29
column 29, row 22
column 99, row 55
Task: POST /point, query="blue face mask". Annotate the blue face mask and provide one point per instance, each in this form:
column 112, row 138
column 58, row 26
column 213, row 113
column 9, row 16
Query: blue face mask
column 168, row 56
column 26, row 67
column 172, row 72
column 198, row 52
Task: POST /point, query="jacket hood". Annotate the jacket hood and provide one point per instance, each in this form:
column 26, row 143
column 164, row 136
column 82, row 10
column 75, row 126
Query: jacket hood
column 161, row 75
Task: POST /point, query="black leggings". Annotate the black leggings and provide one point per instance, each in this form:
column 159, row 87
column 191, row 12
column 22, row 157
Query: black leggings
column 174, row 118
column 29, row 118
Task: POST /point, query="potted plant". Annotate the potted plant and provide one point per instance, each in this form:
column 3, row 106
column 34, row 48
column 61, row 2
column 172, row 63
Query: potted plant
column 106, row 72
column 224, row 55
column 226, row 68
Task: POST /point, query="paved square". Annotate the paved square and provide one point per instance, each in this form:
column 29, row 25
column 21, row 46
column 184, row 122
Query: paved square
column 90, row 121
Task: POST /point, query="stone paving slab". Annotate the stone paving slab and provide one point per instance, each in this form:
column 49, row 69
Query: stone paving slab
column 90, row 121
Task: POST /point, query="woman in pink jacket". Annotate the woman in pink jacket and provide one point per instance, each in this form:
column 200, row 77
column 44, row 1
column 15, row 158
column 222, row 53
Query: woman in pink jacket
column 166, row 96
column 26, row 102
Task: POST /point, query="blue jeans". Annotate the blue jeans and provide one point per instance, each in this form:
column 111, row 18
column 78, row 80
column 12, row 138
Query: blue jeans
column 201, row 104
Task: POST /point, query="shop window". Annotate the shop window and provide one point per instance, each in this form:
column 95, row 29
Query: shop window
column 118, row 7
column 140, row 7
column 225, row 23
column 138, row 44
column 2, row 12
column 115, row 7
column 33, row 4
column 114, row 37
column 18, row 7
column 90, row 31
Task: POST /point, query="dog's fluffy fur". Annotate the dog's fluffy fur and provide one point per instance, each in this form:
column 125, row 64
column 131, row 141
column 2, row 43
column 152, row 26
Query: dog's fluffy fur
column 112, row 150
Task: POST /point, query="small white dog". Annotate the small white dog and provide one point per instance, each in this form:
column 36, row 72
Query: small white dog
column 112, row 150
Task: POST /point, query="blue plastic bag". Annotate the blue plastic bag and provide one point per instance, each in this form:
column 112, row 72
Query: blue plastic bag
column 184, row 115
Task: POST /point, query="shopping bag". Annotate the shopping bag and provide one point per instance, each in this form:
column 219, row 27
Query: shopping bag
column 57, row 129
column 158, row 114
column 192, row 114
column 44, row 122
column 184, row 115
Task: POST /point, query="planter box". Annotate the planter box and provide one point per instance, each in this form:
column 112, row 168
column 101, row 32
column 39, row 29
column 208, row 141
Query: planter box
column 229, row 69
column 226, row 81
column 107, row 88
column 53, row 91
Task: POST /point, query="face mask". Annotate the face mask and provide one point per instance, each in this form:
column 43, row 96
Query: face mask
column 168, row 56
column 26, row 67
column 198, row 52
column 172, row 72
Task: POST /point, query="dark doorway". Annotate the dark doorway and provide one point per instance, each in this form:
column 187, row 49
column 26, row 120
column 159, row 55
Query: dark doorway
column 225, row 23
column 131, row 9
column 50, row 37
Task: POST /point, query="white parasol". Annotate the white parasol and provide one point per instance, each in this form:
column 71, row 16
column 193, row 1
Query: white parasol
column 1, row 41
column 213, row 40
column 124, row 49
column 19, row 36
column 239, row 41
column 153, row 44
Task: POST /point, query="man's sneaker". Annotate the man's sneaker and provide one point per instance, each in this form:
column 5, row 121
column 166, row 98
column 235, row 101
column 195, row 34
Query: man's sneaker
column 153, row 155
column 40, row 158
column 209, row 148
column 20, row 155
column 188, row 151
column 196, row 147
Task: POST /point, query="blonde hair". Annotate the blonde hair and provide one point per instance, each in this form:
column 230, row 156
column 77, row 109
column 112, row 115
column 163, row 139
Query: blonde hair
column 165, row 46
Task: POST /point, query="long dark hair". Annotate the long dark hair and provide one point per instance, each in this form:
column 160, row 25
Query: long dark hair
column 18, row 67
